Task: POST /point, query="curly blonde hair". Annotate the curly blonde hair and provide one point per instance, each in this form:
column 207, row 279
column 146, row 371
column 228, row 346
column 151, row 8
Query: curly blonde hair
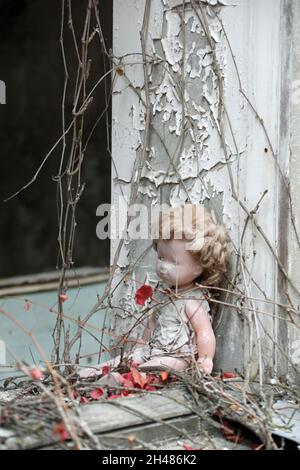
column 208, row 241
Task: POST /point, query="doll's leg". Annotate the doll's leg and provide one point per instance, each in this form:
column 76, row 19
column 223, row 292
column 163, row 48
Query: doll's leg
column 86, row 372
column 165, row 361
column 137, row 355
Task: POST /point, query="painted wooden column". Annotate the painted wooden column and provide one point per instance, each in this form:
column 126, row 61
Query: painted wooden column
column 293, row 341
column 198, row 115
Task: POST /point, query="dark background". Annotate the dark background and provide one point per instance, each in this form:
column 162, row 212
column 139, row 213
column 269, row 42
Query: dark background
column 30, row 123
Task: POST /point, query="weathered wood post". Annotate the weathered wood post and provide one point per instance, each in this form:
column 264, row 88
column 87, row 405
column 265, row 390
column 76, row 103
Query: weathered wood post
column 201, row 113
column 292, row 81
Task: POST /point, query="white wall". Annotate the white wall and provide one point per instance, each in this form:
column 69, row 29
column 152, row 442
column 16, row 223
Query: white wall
column 293, row 244
column 185, row 146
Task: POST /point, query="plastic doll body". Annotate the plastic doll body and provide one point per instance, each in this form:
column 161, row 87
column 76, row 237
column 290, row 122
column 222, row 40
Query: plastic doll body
column 200, row 251
column 178, row 269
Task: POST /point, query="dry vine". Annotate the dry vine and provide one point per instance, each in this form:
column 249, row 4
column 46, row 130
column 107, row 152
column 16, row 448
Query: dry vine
column 226, row 398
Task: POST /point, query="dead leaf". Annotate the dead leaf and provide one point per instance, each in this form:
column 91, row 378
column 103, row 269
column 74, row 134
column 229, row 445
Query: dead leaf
column 74, row 394
column 164, row 375
column 143, row 293
column 105, row 370
column 36, row 374
column 97, row 393
column 126, row 380
column 63, row 297
column 229, row 375
column 84, row 400
column 139, row 378
column 112, row 397
column 229, row 432
column 60, row 429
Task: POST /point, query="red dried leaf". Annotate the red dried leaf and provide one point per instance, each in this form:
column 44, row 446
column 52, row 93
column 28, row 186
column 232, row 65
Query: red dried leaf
column 27, row 306
column 63, row 297
column 112, row 397
column 36, row 374
column 187, row 447
column 74, row 394
column 153, row 379
column 126, row 380
column 236, row 438
column 126, row 376
column 150, row 388
column 226, row 429
column 143, row 293
column 164, row 375
column 230, row 433
column 84, row 400
column 126, row 393
column 97, row 393
column 135, row 379
column 229, row 375
column 105, row 370
column 60, row 429
column 138, row 377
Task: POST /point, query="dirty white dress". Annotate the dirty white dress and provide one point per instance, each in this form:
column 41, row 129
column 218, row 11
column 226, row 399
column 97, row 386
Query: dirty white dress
column 173, row 334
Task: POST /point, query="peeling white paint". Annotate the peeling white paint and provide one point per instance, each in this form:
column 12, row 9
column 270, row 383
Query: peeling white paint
column 138, row 118
column 184, row 95
column 171, row 44
column 177, row 3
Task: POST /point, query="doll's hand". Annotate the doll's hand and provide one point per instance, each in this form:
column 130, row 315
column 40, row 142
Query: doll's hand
column 206, row 364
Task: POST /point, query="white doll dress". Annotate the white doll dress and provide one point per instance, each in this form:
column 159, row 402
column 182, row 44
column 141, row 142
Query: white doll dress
column 173, row 334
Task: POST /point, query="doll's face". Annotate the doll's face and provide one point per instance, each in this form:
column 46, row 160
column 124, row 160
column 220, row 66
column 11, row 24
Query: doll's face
column 175, row 265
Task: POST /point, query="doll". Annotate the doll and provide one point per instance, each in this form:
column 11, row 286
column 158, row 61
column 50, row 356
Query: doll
column 190, row 248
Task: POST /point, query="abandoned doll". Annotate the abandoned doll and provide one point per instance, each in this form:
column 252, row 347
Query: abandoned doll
column 191, row 248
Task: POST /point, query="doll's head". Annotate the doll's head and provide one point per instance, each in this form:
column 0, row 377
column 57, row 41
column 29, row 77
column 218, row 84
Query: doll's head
column 190, row 246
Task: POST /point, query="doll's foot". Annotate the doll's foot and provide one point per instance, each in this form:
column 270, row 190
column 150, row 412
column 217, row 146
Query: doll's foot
column 111, row 380
column 89, row 372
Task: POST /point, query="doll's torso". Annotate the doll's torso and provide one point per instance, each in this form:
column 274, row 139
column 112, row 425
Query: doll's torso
column 173, row 334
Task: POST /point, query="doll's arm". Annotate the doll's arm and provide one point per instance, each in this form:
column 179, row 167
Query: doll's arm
column 205, row 337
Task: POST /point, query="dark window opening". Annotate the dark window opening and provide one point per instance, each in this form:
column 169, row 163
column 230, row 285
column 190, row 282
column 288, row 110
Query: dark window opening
column 31, row 66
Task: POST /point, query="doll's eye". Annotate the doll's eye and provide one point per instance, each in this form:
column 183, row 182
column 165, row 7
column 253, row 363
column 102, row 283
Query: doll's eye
column 161, row 258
